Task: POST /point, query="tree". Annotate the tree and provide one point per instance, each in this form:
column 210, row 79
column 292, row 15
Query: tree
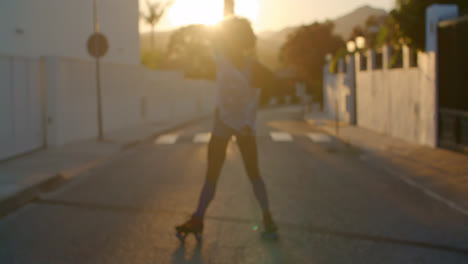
column 370, row 30
column 411, row 18
column 390, row 33
column 155, row 11
column 305, row 51
column 265, row 79
column 151, row 58
column 189, row 49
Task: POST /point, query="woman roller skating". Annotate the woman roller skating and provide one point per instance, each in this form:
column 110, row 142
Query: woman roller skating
column 236, row 75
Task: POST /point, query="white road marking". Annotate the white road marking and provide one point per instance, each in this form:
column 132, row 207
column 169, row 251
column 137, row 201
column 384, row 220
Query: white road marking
column 202, row 138
column 429, row 192
column 422, row 188
column 281, row 136
column 319, row 137
column 167, row 139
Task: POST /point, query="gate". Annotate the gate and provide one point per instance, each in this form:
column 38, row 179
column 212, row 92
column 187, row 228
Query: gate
column 21, row 106
column 453, row 84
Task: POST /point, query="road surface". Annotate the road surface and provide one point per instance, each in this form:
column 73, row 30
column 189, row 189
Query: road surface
column 331, row 206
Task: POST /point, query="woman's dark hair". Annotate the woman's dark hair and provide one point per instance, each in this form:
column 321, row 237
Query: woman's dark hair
column 235, row 32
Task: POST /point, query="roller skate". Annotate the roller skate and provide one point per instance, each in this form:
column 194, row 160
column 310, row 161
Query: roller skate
column 270, row 229
column 193, row 226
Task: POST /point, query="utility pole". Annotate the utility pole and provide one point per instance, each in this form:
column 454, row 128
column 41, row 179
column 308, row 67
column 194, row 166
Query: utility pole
column 337, row 118
column 98, row 73
column 228, row 8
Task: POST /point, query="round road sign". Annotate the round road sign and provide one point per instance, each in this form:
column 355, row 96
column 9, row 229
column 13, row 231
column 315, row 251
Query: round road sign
column 98, row 45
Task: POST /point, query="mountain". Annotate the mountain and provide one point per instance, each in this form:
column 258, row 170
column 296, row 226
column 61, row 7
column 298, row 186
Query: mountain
column 344, row 25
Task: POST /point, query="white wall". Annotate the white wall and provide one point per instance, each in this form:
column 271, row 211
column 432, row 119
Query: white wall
column 335, row 93
column 52, row 101
column 70, row 100
column 338, row 91
column 399, row 102
column 131, row 95
column 21, row 106
column 62, row 27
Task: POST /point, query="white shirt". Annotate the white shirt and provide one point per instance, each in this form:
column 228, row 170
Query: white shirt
column 236, row 99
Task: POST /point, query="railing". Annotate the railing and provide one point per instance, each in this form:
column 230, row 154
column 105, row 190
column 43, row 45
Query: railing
column 453, row 129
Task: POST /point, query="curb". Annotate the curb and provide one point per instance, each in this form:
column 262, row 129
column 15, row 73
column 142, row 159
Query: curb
column 25, row 194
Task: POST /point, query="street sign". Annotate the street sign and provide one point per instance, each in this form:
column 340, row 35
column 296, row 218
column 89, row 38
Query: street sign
column 98, row 45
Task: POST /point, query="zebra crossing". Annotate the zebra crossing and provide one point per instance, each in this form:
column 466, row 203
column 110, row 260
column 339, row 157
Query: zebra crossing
column 167, row 139
column 275, row 136
column 319, row 137
column 281, row 136
column 202, row 138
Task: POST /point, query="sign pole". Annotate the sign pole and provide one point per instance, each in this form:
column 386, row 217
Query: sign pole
column 337, row 118
column 98, row 73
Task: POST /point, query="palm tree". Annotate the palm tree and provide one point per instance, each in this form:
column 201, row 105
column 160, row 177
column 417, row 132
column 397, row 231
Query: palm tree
column 155, row 12
column 400, row 3
column 228, row 8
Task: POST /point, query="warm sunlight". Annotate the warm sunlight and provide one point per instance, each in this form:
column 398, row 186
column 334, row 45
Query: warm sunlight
column 248, row 9
column 208, row 12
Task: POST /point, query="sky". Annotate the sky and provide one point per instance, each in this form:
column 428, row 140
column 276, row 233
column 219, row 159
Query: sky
column 265, row 14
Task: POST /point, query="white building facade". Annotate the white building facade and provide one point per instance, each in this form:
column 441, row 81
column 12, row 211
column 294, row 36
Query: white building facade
column 37, row 28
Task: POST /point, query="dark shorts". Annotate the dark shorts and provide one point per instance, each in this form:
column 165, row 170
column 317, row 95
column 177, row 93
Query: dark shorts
column 222, row 130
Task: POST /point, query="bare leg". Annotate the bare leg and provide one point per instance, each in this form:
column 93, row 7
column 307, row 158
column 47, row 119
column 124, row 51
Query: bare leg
column 248, row 147
column 216, row 156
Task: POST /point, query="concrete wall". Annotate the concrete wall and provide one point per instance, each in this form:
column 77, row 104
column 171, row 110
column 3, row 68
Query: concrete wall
column 52, row 101
column 131, row 95
column 399, row 102
column 34, row 28
column 339, row 91
column 21, row 106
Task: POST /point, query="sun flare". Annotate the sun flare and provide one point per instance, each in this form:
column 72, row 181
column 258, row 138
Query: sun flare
column 208, row 12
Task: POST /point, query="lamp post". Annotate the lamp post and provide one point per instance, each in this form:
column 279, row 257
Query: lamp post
column 360, row 42
column 351, row 46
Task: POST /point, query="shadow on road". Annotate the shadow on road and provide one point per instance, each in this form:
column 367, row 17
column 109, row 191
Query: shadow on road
column 184, row 254
column 194, row 256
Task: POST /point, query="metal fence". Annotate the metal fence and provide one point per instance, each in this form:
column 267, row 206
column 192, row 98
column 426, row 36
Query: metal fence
column 453, row 83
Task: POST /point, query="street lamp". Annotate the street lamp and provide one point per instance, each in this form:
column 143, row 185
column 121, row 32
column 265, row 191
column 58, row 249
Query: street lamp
column 360, row 42
column 351, row 46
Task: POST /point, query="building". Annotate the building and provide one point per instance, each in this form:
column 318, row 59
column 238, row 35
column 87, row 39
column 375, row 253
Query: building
column 32, row 28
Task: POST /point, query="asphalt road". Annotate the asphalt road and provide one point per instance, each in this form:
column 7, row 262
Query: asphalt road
column 331, row 207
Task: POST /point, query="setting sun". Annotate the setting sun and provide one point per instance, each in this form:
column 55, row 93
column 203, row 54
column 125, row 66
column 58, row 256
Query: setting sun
column 208, row 12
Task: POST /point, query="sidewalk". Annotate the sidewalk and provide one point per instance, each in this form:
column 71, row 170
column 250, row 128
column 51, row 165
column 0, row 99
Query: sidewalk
column 22, row 178
column 441, row 174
